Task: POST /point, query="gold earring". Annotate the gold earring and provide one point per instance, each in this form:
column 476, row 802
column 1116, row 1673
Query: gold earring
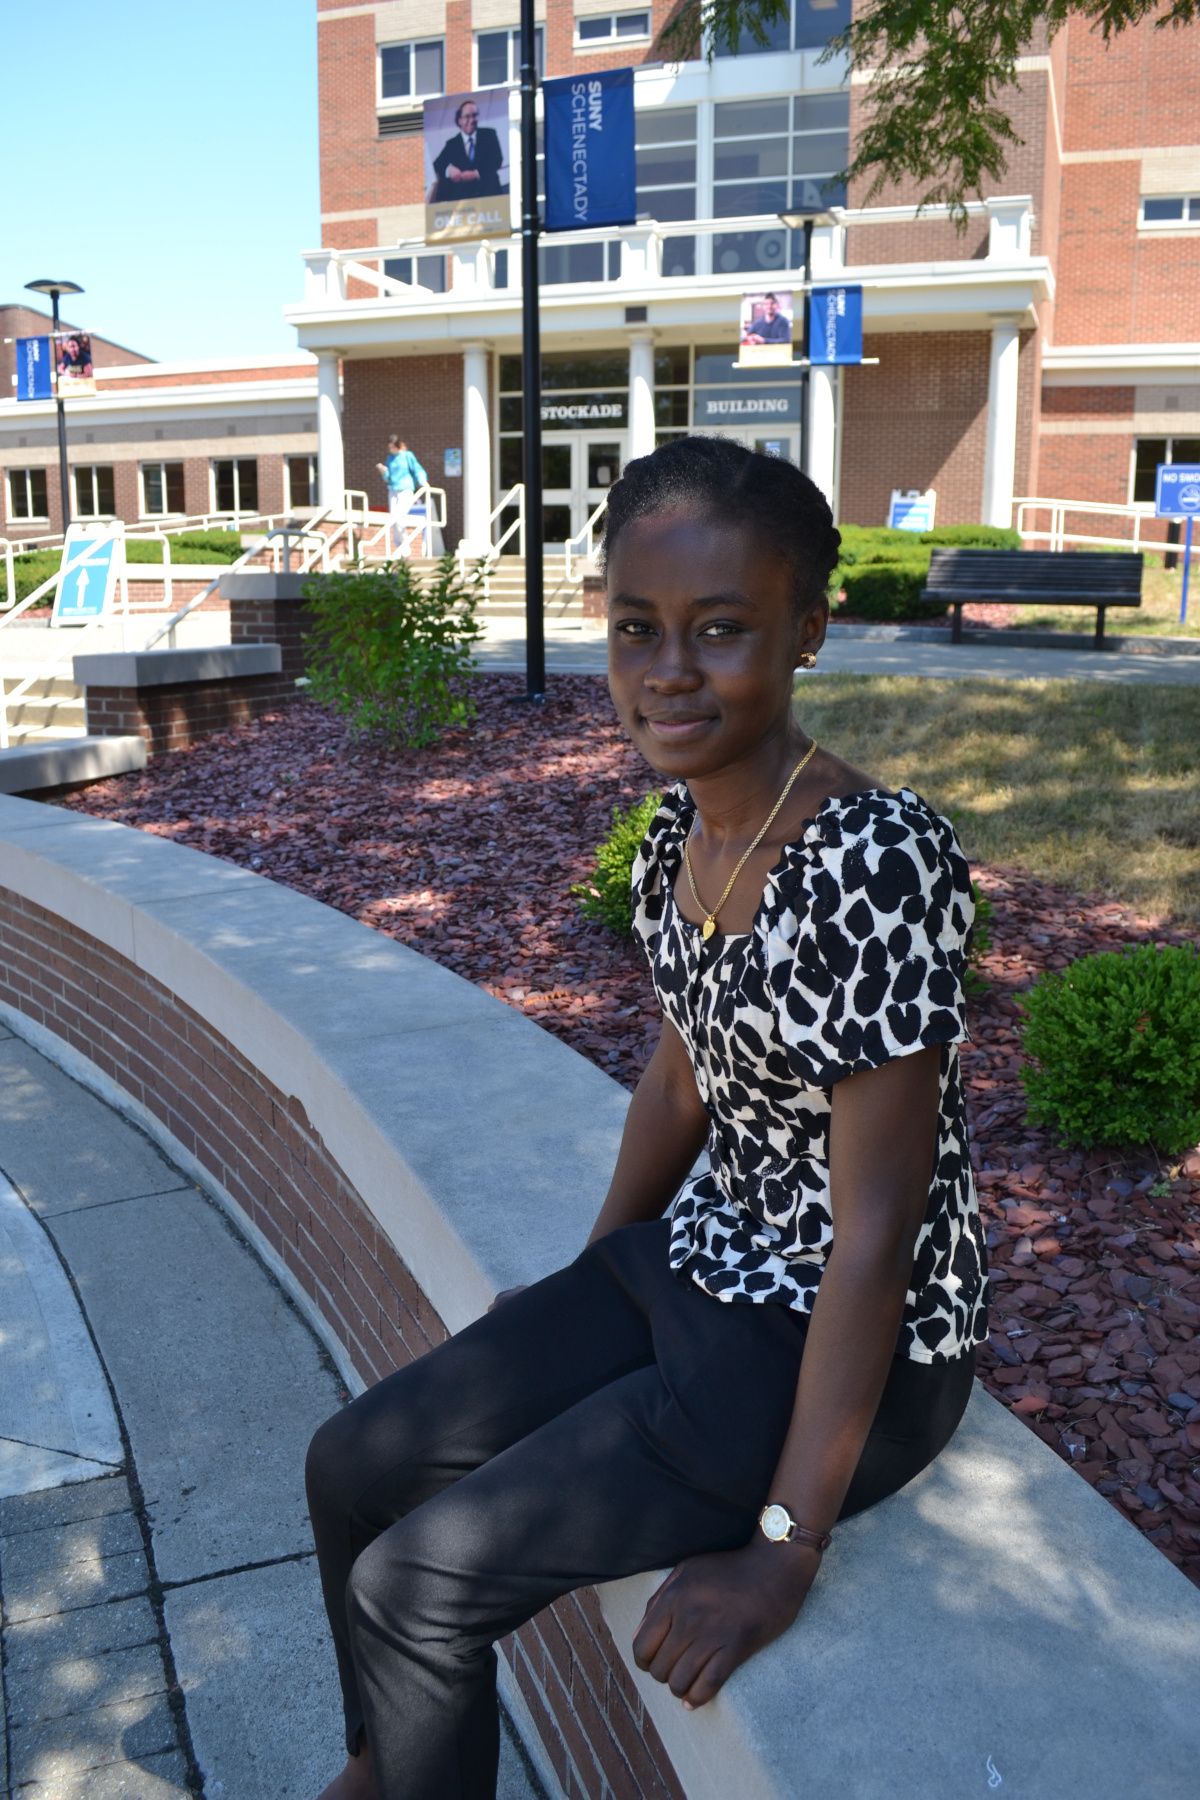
column 808, row 659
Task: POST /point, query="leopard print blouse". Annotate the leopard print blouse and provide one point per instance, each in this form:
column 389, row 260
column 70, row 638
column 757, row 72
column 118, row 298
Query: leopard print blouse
column 858, row 954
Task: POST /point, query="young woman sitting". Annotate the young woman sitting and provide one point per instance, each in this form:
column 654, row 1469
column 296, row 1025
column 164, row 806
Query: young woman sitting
column 740, row 1357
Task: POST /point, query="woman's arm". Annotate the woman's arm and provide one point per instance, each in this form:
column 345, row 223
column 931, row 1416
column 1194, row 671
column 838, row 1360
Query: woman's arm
column 715, row 1611
column 666, row 1128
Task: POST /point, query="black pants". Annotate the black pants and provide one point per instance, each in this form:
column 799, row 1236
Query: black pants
column 611, row 1419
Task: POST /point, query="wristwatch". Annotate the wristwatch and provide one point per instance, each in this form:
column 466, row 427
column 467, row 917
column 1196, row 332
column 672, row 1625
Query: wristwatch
column 778, row 1525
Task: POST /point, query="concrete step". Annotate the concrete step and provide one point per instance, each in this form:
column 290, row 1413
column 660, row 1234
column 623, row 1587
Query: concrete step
column 53, row 704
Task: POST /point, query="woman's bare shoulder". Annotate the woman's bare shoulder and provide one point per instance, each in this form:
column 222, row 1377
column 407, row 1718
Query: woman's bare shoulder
column 841, row 779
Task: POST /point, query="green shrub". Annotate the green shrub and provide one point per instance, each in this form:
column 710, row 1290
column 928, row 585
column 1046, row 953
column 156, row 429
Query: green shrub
column 866, row 543
column 889, row 591
column 1113, row 1048
column 607, row 893
column 391, row 653
column 981, row 940
column 973, row 537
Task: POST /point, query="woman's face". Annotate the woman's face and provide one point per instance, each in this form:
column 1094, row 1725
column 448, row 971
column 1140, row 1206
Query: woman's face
column 702, row 641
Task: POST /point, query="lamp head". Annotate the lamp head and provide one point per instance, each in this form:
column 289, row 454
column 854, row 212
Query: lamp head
column 53, row 287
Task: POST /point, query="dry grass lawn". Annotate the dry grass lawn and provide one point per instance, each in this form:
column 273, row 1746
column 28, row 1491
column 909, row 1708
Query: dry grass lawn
column 1157, row 616
column 1079, row 782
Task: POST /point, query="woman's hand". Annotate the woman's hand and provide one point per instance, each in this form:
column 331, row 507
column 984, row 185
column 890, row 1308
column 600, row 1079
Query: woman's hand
column 715, row 1612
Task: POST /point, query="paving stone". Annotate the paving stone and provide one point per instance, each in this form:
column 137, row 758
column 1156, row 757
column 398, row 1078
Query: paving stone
column 59, row 1750
column 52, row 1690
column 88, row 1631
column 55, row 1507
column 150, row 1778
column 42, row 1552
column 63, row 1148
column 86, row 1583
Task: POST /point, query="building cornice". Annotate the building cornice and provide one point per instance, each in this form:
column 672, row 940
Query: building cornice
column 1118, row 365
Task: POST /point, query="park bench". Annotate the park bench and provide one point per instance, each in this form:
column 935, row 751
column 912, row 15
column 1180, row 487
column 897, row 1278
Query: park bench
column 1034, row 578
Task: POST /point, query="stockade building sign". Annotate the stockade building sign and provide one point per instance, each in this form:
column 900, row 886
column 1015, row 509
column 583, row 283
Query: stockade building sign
column 466, row 167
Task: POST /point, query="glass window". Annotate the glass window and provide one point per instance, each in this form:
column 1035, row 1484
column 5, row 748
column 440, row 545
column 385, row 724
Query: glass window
column 27, row 494
column 235, row 484
column 666, row 177
column 498, row 56
column 1149, row 452
column 94, row 491
column 778, row 33
column 301, row 480
column 409, row 70
column 1163, row 212
column 604, row 464
column 612, row 26
column 559, row 263
column 162, row 489
column 425, row 271
column 819, row 20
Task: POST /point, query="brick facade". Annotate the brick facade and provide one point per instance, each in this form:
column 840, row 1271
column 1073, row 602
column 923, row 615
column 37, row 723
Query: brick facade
column 179, row 713
column 421, row 398
column 259, row 1146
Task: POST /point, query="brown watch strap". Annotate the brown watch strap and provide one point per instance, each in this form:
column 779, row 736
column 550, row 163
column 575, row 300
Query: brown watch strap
column 800, row 1534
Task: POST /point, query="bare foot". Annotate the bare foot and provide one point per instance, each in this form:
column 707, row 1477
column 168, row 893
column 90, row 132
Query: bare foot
column 356, row 1781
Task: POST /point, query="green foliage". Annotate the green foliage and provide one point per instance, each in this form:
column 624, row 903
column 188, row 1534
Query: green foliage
column 391, row 653
column 937, row 110
column 981, row 940
column 888, row 591
column 607, row 893
column 1113, row 1048
column 973, row 537
column 33, row 567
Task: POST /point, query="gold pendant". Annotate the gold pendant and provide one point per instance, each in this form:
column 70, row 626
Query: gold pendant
column 707, row 929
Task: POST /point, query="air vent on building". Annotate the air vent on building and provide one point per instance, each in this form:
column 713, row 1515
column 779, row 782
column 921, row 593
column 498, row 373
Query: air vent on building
column 405, row 124
column 231, row 431
column 636, row 315
column 1172, row 402
column 89, row 437
column 158, row 431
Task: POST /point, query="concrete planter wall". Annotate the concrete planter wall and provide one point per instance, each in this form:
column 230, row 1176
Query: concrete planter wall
column 399, row 1146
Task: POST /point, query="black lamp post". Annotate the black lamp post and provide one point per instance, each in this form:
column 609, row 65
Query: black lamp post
column 531, row 346
column 54, row 289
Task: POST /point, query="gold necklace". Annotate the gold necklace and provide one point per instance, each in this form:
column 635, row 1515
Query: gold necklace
column 710, row 918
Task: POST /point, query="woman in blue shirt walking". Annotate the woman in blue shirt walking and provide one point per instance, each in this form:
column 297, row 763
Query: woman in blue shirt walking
column 404, row 475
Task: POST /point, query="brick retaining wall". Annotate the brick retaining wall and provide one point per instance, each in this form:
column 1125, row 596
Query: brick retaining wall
column 259, row 1146
column 180, row 713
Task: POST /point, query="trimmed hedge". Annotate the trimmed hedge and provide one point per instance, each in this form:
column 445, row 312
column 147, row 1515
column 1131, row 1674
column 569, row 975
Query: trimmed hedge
column 888, row 591
column 884, row 570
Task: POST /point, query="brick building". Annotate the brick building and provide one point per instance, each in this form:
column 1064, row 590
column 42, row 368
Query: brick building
column 1051, row 349
column 158, row 442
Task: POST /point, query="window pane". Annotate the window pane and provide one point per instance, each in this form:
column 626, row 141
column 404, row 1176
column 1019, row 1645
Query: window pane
column 500, row 270
column 633, row 25
column 1194, row 210
column 431, row 273
column 106, row 498
column 152, row 488
column 175, row 488
column 746, row 162
column 662, row 168
column 749, row 198
column 556, row 524
column 247, row 479
column 298, row 481
column 18, row 493
column 571, row 262
column 590, row 30
column 669, row 203
column 821, row 153
column 566, row 369
column 1157, row 210
column 556, row 465
column 679, row 256
column 750, row 118
column 493, row 58
column 511, row 409
column 671, row 367
column 779, row 37
column 38, row 501
column 1185, row 450
column 819, row 20
column 85, row 497
column 510, row 375
column 822, row 112
column 671, row 408
column 604, row 464
column 427, row 68
column 393, row 71
column 673, row 125
column 750, row 250
column 1149, row 452
column 816, row 194
column 511, row 471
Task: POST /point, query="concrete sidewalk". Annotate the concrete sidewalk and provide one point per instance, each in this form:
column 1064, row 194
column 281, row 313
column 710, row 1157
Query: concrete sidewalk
column 163, row 1631
column 583, row 650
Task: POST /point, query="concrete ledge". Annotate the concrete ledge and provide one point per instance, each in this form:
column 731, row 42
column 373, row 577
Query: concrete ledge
column 160, row 668
column 25, row 768
column 995, row 1619
column 260, row 585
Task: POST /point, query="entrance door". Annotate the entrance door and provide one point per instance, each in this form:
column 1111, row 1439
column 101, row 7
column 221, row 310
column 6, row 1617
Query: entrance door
column 577, row 472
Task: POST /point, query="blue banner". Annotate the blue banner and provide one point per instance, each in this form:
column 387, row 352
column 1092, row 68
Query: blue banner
column 591, row 167
column 35, row 369
column 835, row 332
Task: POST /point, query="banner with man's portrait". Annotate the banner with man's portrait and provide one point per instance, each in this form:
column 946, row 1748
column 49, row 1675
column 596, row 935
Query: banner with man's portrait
column 766, row 328
column 466, row 167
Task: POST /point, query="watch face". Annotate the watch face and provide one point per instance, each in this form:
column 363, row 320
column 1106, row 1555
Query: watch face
column 776, row 1522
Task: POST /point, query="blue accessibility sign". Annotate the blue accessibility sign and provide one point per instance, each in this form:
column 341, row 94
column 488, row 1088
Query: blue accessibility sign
column 92, row 561
column 1177, row 491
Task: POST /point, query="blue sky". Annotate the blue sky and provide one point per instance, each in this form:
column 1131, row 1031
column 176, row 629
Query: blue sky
column 165, row 158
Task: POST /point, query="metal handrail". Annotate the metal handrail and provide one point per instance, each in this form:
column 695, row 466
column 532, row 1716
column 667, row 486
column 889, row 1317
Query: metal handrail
column 49, row 669
column 585, row 533
column 1058, row 537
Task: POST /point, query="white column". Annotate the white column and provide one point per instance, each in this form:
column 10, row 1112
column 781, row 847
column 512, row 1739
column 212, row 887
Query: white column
column 821, row 442
column 477, row 449
column 1000, row 454
column 331, row 460
column 641, row 394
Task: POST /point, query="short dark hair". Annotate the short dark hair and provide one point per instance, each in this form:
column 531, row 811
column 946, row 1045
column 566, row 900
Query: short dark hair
column 461, row 109
column 723, row 481
column 774, row 297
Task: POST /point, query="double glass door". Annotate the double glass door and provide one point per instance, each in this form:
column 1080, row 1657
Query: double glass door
column 577, row 471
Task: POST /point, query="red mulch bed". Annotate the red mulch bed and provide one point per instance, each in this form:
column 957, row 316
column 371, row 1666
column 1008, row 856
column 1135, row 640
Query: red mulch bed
column 468, row 853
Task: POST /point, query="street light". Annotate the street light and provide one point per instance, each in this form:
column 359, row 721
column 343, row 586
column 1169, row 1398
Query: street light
column 54, row 289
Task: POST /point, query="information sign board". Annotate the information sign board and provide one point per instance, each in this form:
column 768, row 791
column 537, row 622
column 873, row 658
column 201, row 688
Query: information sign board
column 912, row 510
column 1177, row 490
column 85, row 590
